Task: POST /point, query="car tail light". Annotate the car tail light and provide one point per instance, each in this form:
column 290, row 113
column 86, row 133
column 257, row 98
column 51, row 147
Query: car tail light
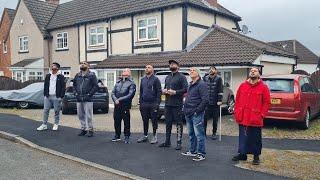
column 297, row 94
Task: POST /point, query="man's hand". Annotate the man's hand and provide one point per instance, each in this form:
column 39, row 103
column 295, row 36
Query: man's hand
column 164, row 91
column 171, row 92
column 219, row 103
column 117, row 102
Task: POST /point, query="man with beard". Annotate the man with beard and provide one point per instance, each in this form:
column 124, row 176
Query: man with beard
column 85, row 85
column 175, row 87
column 252, row 104
column 215, row 89
column 150, row 95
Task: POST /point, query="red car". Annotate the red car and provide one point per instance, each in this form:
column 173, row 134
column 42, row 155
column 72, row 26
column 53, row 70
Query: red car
column 293, row 98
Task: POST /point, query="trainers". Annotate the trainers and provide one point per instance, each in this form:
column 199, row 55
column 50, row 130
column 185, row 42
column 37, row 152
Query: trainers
column 165, row 144
column 179, row 147
column 256, row 160
column 199, row 157
column 189, row 153
column 90, row 133
column 126, row 140
column 154, row 139
column 239, row 157
column 42, row 127
column 143, row 139
column 55, row 127
column 116, row 139
column 82, row 133
column 214, row 137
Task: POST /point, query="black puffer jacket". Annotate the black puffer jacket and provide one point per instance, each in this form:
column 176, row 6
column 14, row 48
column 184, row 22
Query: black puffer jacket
column 85, row 86
column 60, row 86
column 215, row 89
column 124, row 92
column 178, row 82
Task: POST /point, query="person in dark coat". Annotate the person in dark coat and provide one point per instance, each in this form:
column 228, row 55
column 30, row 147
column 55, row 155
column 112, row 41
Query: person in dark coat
column 175, row 87
column 122, row 95
column 252, row 104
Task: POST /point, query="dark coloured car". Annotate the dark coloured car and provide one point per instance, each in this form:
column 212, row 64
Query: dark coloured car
column 100, row 100
column 228, row 96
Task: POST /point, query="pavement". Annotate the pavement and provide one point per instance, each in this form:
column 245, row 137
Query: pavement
column 146, row 160
column 27, row 163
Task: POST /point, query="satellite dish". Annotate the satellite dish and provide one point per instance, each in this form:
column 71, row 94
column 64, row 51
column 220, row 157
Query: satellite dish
column 245, row 29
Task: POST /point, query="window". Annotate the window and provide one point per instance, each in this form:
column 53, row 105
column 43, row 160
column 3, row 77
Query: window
column 35, row 75
column 5, row 47
column 62, row 40
column 24, row 44
column 147, row 29
column 96, row 36
column 280, row 85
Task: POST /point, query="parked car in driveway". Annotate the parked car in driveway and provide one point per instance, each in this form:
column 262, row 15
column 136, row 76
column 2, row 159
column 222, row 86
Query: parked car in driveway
column 228, row 96
column 293, row 98
column 100, row 99
column 31, row 95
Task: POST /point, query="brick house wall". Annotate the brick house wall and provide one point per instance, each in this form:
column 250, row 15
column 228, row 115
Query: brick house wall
column 5, row 58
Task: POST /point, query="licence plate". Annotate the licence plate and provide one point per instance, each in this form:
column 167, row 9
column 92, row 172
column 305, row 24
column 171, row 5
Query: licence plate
column 163, row 97
column 275, row 101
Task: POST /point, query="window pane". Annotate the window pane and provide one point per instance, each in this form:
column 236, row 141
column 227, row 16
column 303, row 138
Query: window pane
column 152, row 32
column 93, row 39
column 227, row 77
column 26, row 45
column 152, row 22
column 100, row 30
column 142, row 34
column 59, row 35
column 142, row 23
column 100, row 39
column 93, row 30
column 65, row 35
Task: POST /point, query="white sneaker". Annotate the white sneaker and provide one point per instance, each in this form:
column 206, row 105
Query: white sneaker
column 42, row 127
column 55, row 127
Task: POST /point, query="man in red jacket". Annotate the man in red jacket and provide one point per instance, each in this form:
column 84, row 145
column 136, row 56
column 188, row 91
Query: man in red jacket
column 252, row 104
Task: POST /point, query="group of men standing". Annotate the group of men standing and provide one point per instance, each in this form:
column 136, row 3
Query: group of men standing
column 197, row 102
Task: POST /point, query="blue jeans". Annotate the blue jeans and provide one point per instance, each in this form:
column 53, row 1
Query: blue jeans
column 195, row 125
column 49, row 102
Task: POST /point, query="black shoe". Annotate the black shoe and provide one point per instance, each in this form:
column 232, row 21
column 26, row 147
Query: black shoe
column 90, row 133
column 82, row 133
column 179, row 147
column 240, row 157
column 256, row 160
column 214, row 137
column 165, row 144
column 116, row 139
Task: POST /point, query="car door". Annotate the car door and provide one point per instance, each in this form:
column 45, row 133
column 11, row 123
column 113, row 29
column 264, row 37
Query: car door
column 310, row 96
column 316, row 97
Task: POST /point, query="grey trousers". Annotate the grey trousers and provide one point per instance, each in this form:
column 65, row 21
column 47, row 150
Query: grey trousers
column 49, row 102
column 85, row 114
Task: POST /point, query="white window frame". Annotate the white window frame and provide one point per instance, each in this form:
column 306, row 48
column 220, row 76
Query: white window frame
column 96, row 34
column 147, row 28
column 25, row 45
column 64, row 41
column 36, row 76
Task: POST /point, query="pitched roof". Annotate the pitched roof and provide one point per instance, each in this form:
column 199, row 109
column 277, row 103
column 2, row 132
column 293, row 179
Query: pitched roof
column 305, row 55
column 41, row 12
column 217, row 46
column 80, row 11
column 11, row 13
column 25, row 62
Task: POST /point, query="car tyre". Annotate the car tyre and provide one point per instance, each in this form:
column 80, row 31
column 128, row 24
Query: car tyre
column 23, row 105
column 306, row 122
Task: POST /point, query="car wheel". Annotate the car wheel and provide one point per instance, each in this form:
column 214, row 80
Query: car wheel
column 23, row 105
column 230, row 105
column 306, row 122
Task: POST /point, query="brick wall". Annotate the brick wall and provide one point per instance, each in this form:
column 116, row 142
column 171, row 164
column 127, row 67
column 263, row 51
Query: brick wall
column 5, row 58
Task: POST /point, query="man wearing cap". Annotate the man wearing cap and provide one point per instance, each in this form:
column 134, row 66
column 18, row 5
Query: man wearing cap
column 194, row 107
column 215, row 89
column 54, row 90
column 175, row 87
column 85, row 85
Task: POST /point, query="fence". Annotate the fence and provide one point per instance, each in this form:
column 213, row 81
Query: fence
column 10, row 84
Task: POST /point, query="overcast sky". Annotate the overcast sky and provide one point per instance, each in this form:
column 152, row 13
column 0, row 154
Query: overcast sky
column 268, row 20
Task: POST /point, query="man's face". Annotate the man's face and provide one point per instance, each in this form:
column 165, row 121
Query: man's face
column 173, row 67
column 83, row 66
column 126, row 73
column 193, row 73
column 212, row 71
column 254, row 73
column 54, row 67
column 149, row 70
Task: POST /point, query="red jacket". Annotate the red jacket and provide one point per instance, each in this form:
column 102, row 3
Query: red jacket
column 252, row 104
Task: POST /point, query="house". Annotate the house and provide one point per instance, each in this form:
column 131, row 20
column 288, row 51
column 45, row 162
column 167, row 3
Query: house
column 308, row 61
column 231, row 52
column 29, row 39
column 5, row 50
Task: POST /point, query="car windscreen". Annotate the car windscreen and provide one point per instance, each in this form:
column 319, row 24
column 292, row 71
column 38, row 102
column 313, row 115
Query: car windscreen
column 280, row 85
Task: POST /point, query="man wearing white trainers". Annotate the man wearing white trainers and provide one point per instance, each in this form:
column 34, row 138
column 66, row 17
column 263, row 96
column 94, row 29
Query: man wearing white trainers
column 54, row 90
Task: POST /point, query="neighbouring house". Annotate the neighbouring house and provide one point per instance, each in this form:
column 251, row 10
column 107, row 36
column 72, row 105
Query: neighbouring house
column 231, row 52
column 30, row 42
column 5, row 50
column 307, row 60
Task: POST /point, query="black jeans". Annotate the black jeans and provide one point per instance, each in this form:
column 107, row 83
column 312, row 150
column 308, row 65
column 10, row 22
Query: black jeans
column 211, row 112
column 174, row 114
column 121, row 113
column 149, row 111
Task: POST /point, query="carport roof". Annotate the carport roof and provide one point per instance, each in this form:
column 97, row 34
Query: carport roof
column 25, row 62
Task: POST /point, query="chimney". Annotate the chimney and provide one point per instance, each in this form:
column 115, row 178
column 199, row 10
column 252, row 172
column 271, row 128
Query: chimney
column 213, row 3
column 53, row 1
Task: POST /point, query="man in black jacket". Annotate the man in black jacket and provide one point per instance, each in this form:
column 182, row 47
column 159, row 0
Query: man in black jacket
column 85, row 85
column 150, row 95
column 175, row 87
column 215, row 89
column 122, row 95
column 54, row 90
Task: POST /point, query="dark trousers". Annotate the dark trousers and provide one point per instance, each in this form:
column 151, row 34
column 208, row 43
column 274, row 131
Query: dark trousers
column 149, row 111
column 250, row 140
column 173, row 114
column 121, row 113
column 211, row 112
